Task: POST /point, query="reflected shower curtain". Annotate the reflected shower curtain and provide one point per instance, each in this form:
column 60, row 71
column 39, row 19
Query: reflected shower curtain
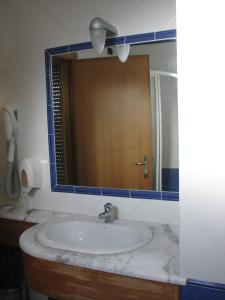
column 165, row 130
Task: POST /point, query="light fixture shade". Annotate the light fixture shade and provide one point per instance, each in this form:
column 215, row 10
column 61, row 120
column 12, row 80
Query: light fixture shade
column 98, row 37
column 123, row 52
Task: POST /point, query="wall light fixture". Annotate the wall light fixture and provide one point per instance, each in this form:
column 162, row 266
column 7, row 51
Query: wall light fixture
column 99, row 31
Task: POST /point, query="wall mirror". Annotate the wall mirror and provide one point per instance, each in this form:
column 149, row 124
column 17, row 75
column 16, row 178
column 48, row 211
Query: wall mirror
column 114, row 125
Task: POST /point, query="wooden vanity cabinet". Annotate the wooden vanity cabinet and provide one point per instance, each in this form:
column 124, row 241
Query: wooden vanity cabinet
column 65, row 282
column 11, row 230
column 11, row 264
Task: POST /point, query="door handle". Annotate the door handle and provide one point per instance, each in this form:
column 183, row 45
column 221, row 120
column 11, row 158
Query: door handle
column 145, row 164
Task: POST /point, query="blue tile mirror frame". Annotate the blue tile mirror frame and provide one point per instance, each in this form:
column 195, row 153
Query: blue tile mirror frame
column 152, row 37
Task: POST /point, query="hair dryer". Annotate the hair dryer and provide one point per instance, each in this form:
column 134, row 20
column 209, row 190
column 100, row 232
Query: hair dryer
column 10, row 123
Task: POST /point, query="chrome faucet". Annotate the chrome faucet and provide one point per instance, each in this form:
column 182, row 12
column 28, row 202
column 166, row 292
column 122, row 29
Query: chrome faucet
column 107, row 214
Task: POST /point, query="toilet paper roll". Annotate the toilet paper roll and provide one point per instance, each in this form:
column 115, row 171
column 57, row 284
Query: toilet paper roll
column 30, row 172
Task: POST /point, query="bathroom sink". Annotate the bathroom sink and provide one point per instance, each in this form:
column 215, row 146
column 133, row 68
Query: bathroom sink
column 94, row 237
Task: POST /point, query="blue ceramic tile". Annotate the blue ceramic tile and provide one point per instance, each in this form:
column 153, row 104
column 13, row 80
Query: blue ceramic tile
column 115, row 192
column 170, row 179
column 115, row 41
column 49, row 89
column 47, row 63
column 172, row 188
column 51, row 144
column 64, row 188
column 50, row 119
column 58, row 50
column 139, row 38
column 170, row 196
column 87, row 190
column 145, row 194
column 206, row 284
column 81, row 46
column 53, row 175
column 200, row 292
column 166, row 34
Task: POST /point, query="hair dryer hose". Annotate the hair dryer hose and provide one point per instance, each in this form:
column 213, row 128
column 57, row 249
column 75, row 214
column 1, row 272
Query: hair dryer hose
column 12, row 185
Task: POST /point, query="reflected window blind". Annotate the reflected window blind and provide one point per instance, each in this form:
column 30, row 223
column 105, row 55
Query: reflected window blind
column 58, row 123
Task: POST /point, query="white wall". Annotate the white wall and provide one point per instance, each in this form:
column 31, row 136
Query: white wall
column 201, row 95
column 7, row 61
column 43, row 24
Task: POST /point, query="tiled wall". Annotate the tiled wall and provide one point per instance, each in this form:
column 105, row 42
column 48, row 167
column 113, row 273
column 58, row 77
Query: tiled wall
column 62, row 24
column 201, row 97
column 7, row 93
column 202, row 291
column 170, row 179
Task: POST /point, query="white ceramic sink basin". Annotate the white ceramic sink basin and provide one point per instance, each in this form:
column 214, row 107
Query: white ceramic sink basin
column 93, row 237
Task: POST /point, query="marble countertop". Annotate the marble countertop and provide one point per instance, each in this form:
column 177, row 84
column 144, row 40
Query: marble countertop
column 20, row 214
column 12, row 213
column 158, row 260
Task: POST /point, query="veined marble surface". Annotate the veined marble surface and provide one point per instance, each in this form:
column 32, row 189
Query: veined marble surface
column 158, row 260
column 12, row 213
column 20, row 214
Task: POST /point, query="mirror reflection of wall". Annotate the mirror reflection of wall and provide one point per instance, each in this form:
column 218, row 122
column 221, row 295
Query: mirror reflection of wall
column 116, row 124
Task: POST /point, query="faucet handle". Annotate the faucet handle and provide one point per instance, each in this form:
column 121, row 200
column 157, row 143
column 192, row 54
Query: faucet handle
column 108, row 207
